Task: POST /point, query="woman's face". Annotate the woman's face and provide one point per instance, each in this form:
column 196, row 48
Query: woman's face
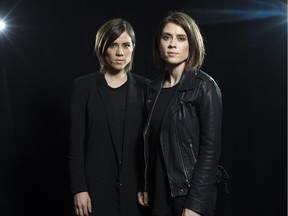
column 174, row 46
column 119, row 53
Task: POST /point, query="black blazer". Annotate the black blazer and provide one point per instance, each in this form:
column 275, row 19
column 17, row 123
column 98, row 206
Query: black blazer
column 95, row 164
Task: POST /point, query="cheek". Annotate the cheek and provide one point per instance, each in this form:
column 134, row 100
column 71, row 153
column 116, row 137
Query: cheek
column 185, row 51
column 108, row 55
column 162, row 50
column 129, row 54
column 108, row 58
column 162, row 53
column 162, row 46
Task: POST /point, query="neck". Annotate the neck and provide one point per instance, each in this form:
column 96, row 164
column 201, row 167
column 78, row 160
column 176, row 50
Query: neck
column 173, row 78
column 115, row 80
column 175, row 73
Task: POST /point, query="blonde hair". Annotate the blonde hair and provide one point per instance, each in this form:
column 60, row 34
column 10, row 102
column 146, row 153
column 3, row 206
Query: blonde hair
column 107, row 34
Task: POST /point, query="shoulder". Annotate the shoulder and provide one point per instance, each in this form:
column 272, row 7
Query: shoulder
column 86, row 82
column 139, row 78
column 85, row 79
column 199, row 74
column 206, row 79
column 89, row 80
column 207, row 85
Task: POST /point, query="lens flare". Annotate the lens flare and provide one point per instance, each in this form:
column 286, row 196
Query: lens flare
column 2, row 25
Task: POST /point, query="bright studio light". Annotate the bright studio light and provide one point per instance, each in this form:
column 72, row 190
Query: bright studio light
column 2, row 25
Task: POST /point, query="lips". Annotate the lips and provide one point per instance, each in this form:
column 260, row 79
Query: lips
column 119, row 61
column 171, row 53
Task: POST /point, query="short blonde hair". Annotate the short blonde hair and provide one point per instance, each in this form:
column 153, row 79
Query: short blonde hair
column 107, row 34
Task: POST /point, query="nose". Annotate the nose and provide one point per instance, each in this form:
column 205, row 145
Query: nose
column 119, row 52
column 172, row 44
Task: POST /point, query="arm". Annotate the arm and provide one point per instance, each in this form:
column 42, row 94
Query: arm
column 78, row 102
column 209, row 111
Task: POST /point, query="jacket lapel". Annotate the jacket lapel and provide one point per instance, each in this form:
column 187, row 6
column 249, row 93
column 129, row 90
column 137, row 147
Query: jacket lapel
column 102, row 88
column 185, row 84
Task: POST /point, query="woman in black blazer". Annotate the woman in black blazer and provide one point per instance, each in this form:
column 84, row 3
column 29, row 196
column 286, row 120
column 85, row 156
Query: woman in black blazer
column 107, row 116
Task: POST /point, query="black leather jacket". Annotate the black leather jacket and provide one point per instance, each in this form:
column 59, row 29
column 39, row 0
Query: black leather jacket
column 191, row 130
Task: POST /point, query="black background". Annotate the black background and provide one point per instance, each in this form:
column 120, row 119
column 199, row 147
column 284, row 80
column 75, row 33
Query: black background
column 49, row 43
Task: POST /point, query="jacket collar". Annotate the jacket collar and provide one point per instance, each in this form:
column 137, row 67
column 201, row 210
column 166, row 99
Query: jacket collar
column 100, row 79
column 186, row 81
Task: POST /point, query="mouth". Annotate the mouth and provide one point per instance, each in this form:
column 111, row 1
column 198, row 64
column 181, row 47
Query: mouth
column 171, row 53
column 119, row 61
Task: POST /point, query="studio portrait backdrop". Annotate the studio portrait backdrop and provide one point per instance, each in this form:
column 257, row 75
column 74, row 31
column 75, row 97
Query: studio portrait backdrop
column 45, row 45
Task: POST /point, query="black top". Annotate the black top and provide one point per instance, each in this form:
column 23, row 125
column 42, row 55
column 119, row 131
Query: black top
column 160, row 191
column 118, row 99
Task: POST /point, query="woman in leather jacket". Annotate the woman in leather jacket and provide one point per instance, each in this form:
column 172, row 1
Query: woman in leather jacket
column 183, row 132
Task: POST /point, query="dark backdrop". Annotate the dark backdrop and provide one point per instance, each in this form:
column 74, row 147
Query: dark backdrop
column 49, row 43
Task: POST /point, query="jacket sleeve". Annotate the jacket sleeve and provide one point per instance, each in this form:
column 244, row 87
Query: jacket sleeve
column 209, row 110
column 77, row 107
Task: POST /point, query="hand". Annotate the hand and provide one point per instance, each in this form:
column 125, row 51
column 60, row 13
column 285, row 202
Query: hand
column 82, row 204
column 143, row 198
column 188, row 212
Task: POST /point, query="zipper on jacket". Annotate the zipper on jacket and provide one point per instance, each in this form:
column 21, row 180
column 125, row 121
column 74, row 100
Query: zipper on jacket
column 178, row 143
column 192, row 152
column 145, row 133
column 191, row 147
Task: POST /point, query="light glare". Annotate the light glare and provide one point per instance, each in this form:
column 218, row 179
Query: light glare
column 2, row 25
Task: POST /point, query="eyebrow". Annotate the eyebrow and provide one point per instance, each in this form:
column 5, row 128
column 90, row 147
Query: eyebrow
column 182, row 35
column 127, row 42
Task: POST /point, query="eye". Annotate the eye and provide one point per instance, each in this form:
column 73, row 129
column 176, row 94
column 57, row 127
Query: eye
column 112, row 45
column 182, row 38
column 127, row 45
column 165, row 37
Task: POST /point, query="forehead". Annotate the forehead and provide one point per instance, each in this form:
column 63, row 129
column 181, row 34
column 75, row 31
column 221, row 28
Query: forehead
column 174, row 29
column 123, row 38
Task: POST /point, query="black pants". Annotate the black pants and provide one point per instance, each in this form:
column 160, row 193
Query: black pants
column 173, row 207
